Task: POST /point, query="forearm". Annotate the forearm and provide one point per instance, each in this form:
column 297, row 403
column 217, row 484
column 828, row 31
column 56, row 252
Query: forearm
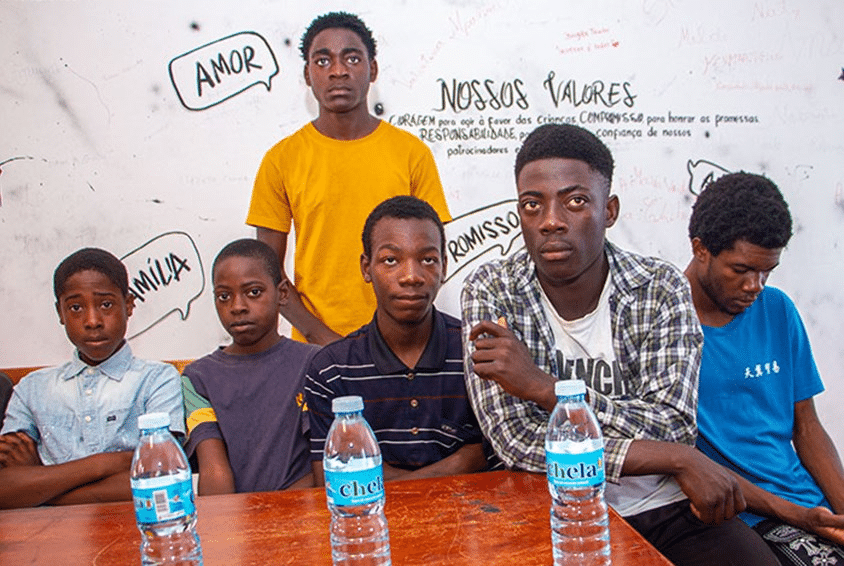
column 116, row 487
column 467, row 459
column 313, row 329
column 28, row 486
column 819, row 456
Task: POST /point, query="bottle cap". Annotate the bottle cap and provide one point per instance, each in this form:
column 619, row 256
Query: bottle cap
column 569, row 387
column 150, row 421
column 348, row 404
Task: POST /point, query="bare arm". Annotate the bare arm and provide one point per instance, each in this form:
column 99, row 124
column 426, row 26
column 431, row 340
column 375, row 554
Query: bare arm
column 467, row 459
column 115, row 487
column 215, row 472
column 313, row 329
column 28, row 485
column 818, row 453
column 714, row 492
column 819, row 520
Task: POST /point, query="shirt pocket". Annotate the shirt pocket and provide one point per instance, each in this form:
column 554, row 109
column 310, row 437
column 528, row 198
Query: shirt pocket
column 61, row 437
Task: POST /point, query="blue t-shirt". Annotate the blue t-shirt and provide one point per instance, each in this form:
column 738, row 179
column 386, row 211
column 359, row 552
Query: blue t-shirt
column 753, row 371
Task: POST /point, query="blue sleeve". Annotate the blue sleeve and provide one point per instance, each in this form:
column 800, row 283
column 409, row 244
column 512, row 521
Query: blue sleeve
column 807, row 382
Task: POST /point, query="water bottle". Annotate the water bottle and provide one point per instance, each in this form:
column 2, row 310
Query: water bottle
column 354, row 488
column 163, row 494
column 574, row 456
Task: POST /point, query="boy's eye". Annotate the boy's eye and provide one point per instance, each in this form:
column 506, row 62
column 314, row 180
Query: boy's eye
column 107, row 304
column 432, row 260
column 74, row 307
column 321, row 61
column 530, row 205
column 254, row 292
column 353, row 59
column 222, row 297
column 390, row 260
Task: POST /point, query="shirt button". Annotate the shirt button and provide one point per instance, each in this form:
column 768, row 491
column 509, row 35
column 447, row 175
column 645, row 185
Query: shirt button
column 87, row 418
column 88, row 391
column 414, row 430
column 601, row 414
column 90, row 371
column 410, row 376
column 414, row 403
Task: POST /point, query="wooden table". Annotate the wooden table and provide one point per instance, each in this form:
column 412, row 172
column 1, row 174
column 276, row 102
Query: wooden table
column 493, row 518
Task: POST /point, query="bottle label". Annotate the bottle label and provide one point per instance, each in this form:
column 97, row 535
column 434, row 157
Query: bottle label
column 163, row 498
column 359, row 487
column 575, row 470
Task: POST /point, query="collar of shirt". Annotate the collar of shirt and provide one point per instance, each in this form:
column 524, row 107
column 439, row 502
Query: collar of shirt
column 115, row 367
column 433, row 358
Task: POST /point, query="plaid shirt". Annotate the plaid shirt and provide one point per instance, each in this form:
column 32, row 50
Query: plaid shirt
column 657, row 341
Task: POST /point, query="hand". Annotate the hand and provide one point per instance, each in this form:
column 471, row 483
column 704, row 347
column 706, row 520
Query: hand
column 499, row 356
column 18, row 449
column 714, row 493
column 823, row 522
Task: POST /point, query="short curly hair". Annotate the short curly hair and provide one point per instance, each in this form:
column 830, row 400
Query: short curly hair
column 740, row 206
column 402, row 206
column 251, row 248
column 90, row 259
column 568, row 142
column 343, row 20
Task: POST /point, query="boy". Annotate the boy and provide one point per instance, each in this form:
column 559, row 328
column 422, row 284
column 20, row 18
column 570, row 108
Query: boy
column 244, row 402
column 576, row 306
column 756, row 412
column 406, row 363
column 70, row 430
column 328, row 176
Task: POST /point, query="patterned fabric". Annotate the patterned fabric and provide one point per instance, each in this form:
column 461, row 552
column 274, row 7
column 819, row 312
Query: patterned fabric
column 419, row 415
column 794, row 546
column 657, row 341
column 76, row 410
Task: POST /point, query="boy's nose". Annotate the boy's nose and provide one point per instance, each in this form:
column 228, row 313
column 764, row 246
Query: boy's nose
column 93, row 319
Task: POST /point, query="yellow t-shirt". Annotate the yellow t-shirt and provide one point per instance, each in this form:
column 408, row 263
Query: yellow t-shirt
column 328, row 187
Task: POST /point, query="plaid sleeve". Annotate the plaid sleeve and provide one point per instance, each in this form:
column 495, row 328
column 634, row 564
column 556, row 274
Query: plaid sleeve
column 515, row 428
column 660, row 340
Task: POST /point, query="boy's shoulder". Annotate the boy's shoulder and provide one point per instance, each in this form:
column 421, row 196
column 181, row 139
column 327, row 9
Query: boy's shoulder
column 285, row 353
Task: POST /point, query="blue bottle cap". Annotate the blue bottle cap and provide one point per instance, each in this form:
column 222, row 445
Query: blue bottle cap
column 569, row 387
column 348, row 404
column 150, row 421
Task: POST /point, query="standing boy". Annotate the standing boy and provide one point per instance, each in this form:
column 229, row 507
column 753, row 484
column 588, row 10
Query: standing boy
column 572, row 305
column 407, row 362
column 758, row 377
column 328, row 176
column 244, row 402
column 70, row 430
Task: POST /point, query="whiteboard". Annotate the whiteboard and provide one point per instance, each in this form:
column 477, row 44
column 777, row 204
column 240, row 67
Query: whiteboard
column 138, row 127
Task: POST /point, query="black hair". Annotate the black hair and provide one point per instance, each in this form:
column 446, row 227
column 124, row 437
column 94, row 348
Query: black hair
column 256, row 249
column 93, row 259
column 401, row 207
column 568, row 142
column 343, row 20
column 740, row 206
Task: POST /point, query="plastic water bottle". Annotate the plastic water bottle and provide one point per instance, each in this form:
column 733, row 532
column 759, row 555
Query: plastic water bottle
column 354, row 488
column 574, row 455
column 163, row 494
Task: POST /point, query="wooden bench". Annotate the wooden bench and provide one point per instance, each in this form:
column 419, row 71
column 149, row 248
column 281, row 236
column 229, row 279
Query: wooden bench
column 17, row 373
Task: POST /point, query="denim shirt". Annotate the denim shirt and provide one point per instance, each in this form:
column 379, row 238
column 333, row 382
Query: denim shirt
column 76, row 410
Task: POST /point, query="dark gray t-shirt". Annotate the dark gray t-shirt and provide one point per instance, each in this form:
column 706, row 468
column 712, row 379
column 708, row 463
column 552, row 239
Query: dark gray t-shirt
column 255, row 404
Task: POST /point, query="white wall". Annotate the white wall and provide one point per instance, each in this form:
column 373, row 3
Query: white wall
column 100, row 146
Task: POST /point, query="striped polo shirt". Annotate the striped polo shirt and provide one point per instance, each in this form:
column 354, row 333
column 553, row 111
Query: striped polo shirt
column 419, row 415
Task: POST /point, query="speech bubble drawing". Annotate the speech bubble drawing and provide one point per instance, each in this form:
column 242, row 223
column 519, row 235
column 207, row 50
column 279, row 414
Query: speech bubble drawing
column 474, row 234
column 164, row 274
column 701, row 173
column 217, row 71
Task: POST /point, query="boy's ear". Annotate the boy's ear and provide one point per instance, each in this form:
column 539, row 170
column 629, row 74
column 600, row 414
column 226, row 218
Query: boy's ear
column 307, row 75
column 365, row 262
column 373, row 70
column 283, row 292
column 130, row 304
column 59, row 312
